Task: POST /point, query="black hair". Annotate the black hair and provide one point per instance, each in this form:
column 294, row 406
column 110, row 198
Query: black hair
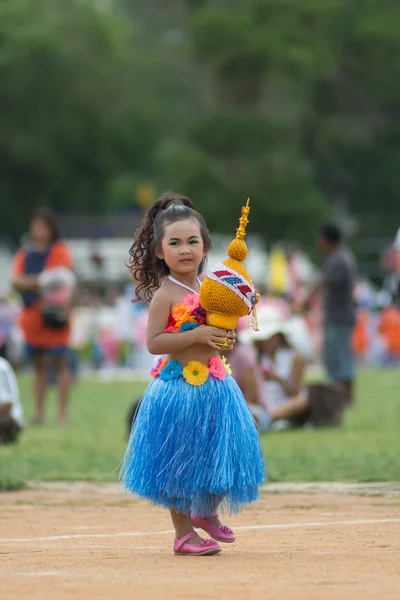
column 146, row 268
column 49, row 217
column 331, row 233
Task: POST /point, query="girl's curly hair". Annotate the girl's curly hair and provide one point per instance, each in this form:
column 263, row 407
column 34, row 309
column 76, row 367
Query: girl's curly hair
column 146, row 268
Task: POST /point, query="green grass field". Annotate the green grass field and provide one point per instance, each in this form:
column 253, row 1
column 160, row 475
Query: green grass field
column 366, row 448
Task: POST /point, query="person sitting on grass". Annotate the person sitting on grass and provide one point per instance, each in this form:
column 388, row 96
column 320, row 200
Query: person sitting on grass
column 289, row 402
column 246, row 372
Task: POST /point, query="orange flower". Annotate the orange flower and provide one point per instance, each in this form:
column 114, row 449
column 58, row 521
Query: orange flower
column 180, row 312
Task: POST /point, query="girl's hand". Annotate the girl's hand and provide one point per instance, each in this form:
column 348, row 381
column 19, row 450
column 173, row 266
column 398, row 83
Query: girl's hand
column 231, row 337
column 205, row 334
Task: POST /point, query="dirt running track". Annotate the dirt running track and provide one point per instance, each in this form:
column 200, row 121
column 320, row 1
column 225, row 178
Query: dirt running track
column 77, row 541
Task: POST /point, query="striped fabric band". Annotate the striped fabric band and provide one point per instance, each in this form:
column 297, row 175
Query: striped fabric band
column 235, row 282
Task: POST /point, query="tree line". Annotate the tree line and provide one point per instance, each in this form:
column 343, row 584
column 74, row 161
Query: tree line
column 295, row 104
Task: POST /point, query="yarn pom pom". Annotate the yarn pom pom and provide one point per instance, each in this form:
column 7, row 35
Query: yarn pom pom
column 237, row 249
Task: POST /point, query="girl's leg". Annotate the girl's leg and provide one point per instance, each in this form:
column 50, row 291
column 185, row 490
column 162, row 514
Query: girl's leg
column 40, row 383
column 213, row 518
column 63, row 378
column 183, row 525
column 212, row 525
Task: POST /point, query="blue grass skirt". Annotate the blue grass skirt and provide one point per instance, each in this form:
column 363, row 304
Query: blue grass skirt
column 194, row 447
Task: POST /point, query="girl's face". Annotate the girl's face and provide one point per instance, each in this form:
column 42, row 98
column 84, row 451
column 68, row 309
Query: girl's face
column 40, row 231
column 182, row 246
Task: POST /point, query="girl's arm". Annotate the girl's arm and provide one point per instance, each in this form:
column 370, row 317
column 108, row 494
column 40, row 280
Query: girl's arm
column 159, row 342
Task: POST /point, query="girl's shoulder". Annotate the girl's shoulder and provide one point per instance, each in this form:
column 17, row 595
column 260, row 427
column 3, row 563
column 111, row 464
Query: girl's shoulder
column 161, row 298
column 164, row 296
column 161, row 293
column 176, row 295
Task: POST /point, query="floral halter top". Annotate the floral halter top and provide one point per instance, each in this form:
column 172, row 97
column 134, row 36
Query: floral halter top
column 186, row 314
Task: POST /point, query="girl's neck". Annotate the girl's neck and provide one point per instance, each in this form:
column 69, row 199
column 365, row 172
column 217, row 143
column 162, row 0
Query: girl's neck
column 188, row 279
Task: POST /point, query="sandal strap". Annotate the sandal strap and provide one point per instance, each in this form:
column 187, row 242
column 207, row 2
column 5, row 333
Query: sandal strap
column 184, row 539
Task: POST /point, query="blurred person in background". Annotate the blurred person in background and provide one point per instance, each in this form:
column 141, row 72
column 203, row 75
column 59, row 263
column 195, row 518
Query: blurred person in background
column 397, row 250
column 44, row 319
column 11, row 421
column 281, row 367
column 288, row 401
column 8, row 316
column 132, row 414
column 336, row 285
column 389, row 332
column 246, row 372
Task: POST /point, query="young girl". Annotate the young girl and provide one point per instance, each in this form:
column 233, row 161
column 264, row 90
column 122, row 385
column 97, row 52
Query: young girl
column 194, row 445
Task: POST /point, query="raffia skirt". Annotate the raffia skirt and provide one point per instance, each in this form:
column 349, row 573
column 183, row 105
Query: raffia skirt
column 193, row 448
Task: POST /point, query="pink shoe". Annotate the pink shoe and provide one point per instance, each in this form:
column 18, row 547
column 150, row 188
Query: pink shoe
column 221, row 533
column 203, row 548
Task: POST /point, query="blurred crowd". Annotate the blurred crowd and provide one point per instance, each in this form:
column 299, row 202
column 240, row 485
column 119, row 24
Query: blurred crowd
column 108, row 331
column 62, row 328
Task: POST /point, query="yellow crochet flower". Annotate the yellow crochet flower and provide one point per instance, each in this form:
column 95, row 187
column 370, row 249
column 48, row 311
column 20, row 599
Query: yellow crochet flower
column 195, row 373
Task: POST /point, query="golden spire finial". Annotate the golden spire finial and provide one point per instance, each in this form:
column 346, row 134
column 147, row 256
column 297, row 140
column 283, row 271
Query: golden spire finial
column 241, row 230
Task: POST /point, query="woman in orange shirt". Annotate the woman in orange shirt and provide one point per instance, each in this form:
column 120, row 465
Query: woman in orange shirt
column 43, row 338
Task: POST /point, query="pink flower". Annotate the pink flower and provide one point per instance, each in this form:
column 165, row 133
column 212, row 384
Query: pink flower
column 170, row 329
column 217, row 368
column 191, row 301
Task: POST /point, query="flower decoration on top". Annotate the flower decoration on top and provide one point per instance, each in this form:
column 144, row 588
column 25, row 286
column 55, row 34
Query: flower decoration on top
column 186, row 315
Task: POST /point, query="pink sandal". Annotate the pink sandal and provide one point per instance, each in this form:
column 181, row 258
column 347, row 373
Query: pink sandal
column 221, row 533
column 203, row 548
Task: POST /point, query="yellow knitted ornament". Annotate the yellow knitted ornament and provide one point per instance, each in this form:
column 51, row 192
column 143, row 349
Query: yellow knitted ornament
column 227, row 292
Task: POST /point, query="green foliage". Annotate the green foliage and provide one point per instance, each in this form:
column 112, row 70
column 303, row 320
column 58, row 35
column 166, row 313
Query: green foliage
column 320, row 98
column 70, row 122
column 293, row 103
column 365, row 448
column 11, row 485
